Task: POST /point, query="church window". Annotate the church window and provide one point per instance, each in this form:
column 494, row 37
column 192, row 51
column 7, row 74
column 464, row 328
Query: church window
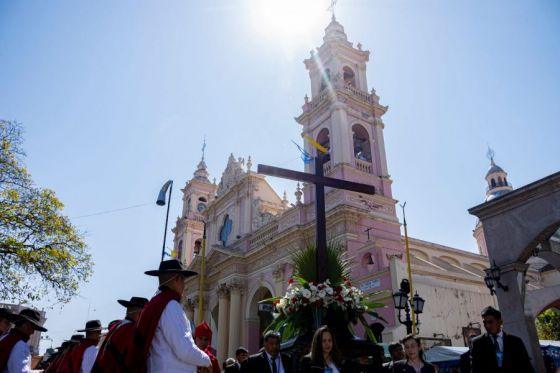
column 362, row 146
column 325, row 79
column 197, row 247
column 493, row 183
column 180, row 250
column 348, row 76
column 202, row 199
column 324, row 139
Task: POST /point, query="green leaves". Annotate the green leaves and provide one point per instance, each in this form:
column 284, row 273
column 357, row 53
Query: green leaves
column 304, row 261
column 548, row 325
column 41, row 252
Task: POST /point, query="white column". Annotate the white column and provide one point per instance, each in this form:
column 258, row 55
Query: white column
column 381, row 147
column 234, row 320
column 223, row 311
column 340, row 135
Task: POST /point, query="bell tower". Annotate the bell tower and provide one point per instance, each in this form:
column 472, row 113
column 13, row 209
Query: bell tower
column 342, row 115
column 189, row 228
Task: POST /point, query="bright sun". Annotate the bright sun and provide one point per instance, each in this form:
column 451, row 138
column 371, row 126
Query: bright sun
column 288, row 21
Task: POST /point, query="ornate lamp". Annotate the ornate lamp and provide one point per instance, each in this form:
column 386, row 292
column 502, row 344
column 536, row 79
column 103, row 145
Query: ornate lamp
column 492, row 278
column 400, row 299
column 418, row 303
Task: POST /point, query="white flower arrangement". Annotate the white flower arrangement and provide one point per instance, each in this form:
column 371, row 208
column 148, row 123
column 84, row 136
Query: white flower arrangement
column 301, row 293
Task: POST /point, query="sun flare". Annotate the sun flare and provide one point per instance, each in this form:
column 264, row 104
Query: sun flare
column 288, row 21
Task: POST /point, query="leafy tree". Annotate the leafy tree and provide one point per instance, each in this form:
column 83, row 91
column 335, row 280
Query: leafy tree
column 41, row 252
column 548, row 325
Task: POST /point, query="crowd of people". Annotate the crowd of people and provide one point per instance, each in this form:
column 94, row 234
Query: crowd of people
column 156, row 336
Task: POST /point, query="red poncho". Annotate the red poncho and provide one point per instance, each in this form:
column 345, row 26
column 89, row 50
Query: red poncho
column 111, row 357
column 8, row 343
column 137, row 358
column 203, row 330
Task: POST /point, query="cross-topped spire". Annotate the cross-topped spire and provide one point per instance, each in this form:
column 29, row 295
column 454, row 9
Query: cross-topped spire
column 490, row 154
column 331, row 8
column 203, row 147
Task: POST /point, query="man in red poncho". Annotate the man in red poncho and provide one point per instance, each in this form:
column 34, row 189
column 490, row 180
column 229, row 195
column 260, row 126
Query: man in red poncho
column 15, row 355
column 203, row 340
column 111, row 357
column 80, row 358
column 163, row 341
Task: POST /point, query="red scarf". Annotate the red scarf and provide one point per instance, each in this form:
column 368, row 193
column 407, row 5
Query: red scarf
column 213, row 360
column 137, row 359
column 112, row 354
column 72, row 360
column 8, row 343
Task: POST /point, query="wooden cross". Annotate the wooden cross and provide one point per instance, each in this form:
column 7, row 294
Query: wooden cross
column 320, row 182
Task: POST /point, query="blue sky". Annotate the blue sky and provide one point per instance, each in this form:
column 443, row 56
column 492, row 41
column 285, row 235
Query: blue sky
column 116, row 97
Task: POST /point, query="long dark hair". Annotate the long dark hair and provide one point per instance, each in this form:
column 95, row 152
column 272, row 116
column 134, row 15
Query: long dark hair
column 317, row 347
column 417, row 340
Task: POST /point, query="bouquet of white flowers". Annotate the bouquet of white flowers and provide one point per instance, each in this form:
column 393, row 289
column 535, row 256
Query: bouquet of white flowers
column 335, row 301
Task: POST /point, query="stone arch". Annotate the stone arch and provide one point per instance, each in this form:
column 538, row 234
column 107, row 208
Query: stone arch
column 420, row 254
column 323, row 138
column 257, row 321
column 348, row 76
column 450, row 260
column 361, row 143
column 540, row 300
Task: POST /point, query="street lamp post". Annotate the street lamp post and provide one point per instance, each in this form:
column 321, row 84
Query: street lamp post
column 161, row 202
column 402, row 302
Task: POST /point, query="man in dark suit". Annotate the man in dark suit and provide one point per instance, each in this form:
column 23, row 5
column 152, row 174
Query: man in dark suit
column 270, row 360
column 497, row 351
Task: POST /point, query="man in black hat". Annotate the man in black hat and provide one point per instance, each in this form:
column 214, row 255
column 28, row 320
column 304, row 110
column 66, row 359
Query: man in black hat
column 81, row 357
column 163, row 339
column 15, row 355
column 6, row 318
column 112, row 353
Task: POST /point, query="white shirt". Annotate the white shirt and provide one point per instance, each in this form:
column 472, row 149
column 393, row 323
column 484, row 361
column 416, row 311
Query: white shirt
column 173, row 348
column 20, row 359
column 500, row 339
column 333, row 367
column 88, row 359
column 278, row 362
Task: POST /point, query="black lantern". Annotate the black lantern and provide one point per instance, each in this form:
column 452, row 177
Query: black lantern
column 492, row 278
column 418, row 303
column 402, row 302
column 400, row 298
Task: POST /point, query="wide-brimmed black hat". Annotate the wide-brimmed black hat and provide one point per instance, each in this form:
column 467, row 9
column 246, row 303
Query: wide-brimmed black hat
column 32, row 316
column 5, row 313
column 75, row 338
column 91, row 326
column 137, row 302
column 171, row 266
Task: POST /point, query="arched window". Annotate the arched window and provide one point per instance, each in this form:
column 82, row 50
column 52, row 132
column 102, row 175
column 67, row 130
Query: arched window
column 500, row 182
column 325, row 79
column 202, row 199
column 324, row 139
column 180, row 250
column 362, row 146
column 493, row 183
column 197, row 247
column 348, row 76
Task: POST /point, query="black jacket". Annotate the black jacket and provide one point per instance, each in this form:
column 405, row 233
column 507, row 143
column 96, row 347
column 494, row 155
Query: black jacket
column 515, row 356
column 258, row 363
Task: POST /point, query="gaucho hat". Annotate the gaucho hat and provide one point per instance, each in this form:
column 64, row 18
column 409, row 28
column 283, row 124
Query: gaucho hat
column 137, row 302
column 32, row 316
column 171, row 266
column 91, row 326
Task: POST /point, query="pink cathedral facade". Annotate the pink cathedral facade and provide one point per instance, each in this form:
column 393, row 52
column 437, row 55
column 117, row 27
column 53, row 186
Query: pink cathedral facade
column 251, row 230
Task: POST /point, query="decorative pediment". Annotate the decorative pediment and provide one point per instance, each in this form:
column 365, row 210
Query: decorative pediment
column 232, row 174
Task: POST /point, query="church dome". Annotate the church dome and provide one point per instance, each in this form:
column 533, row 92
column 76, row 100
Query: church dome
column 494, row 168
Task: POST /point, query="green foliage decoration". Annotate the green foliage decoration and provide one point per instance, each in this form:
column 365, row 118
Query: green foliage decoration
column 336, row 302
column 41, row 253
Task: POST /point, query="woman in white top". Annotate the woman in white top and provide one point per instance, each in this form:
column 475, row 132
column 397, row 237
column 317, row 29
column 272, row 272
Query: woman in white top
column 324, row 353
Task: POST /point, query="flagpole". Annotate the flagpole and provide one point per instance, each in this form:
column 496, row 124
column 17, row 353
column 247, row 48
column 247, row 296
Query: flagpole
column 411, row 294
column 202, row 265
